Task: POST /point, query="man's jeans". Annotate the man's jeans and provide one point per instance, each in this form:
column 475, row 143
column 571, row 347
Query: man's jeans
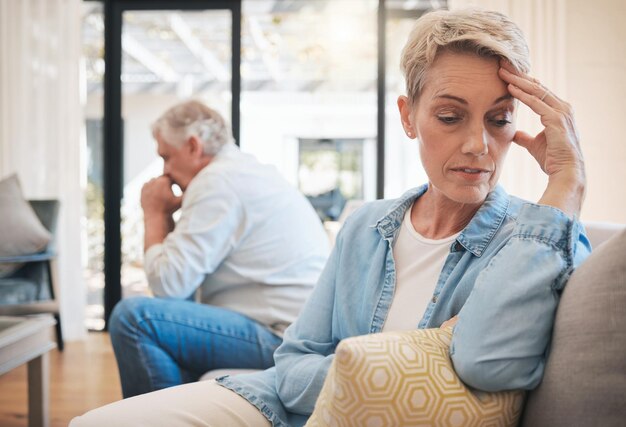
column 161, row 343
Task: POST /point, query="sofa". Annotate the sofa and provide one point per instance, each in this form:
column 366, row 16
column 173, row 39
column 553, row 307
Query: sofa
column 585, row 377
column 584, row 383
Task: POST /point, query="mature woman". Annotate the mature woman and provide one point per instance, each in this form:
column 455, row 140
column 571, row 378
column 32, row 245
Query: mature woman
column 457, row 249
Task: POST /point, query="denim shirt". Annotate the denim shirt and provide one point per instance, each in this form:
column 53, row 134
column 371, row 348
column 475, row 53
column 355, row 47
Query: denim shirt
column 503, row 276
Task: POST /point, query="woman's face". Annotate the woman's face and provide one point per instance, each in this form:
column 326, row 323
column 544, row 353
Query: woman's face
column 464, row 123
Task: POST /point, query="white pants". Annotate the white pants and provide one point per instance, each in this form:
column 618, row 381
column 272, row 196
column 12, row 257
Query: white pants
column 203, row 403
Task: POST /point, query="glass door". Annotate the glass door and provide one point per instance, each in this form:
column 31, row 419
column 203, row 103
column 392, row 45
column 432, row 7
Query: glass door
column 167, row 57
column 157, row 54
column 308, row 102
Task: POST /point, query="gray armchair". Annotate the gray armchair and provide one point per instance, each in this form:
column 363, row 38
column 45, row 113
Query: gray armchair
column 31, row 289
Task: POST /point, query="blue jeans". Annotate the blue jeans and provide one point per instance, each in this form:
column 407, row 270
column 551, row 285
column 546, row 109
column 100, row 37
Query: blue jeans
column 161, row 343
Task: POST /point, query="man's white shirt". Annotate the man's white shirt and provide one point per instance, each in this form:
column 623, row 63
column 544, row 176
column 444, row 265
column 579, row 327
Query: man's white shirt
column 246, row 237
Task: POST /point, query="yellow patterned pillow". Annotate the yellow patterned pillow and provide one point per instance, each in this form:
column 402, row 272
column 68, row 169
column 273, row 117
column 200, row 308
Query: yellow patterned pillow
column 406, row 379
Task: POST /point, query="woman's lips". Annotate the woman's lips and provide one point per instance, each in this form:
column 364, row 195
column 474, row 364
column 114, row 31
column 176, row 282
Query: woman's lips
column 471, row 174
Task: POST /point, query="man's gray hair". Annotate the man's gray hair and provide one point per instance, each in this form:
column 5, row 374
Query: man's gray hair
column 193, row 118
column 476, row 31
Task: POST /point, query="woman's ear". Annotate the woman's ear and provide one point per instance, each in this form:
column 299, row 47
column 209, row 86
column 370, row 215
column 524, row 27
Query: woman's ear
column 406, row 116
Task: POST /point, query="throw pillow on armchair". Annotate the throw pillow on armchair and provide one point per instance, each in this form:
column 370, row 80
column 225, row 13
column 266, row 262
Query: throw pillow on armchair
column 21, row 230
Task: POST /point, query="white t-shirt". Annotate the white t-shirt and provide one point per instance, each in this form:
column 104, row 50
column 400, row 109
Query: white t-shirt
column 418, row 265
column 248, row 239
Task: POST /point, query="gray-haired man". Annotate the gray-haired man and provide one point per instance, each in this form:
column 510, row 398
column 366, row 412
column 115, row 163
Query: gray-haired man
column 246, row 239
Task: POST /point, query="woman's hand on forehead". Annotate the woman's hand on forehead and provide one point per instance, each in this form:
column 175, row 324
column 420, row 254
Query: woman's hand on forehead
column 556, row 148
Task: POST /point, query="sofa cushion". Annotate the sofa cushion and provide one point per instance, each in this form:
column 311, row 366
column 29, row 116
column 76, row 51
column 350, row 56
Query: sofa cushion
column 405, row 379
column 22, row 232
column 584, row 383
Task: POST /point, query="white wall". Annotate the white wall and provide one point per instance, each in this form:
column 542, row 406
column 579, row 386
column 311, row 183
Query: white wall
column 596, row 85
column 40, row 126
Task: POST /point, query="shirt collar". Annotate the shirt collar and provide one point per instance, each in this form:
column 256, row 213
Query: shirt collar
column 389, row 223
column 478, row 233
column 475, row 236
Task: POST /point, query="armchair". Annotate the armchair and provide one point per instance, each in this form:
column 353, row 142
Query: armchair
column 31, row 289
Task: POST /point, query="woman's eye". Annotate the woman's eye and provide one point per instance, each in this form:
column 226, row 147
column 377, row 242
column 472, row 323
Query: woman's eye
column 448, row 120
column 500, row 122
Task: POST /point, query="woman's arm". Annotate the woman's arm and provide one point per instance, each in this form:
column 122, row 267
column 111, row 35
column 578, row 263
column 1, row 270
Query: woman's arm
column 504, row 328
column 303, row 359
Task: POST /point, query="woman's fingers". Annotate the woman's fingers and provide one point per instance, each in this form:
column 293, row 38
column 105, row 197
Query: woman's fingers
column 556, row 148
column 542, row 98
column 534, row 102
column 552, row 110
column 525, row 82
column 535, row 145
column 450, row 322
column 523, row 139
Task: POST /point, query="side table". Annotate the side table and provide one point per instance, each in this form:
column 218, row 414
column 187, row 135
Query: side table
column 27, row 340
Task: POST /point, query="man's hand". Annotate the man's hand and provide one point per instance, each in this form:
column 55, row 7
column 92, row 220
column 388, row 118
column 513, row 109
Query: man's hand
column 158, row 203
column 157, row 197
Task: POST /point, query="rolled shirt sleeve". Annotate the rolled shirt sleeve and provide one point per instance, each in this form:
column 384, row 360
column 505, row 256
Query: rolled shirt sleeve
column 504, row 328
column 209, row 227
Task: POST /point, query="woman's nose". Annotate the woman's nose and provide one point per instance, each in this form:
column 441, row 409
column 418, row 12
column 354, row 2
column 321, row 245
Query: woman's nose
column 476, row 142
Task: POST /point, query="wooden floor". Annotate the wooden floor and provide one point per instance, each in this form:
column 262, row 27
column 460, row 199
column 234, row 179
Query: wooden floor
column 83, row 377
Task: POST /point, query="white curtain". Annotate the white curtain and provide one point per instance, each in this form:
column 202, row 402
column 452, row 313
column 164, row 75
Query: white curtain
column 544, row 25
column 41, row 126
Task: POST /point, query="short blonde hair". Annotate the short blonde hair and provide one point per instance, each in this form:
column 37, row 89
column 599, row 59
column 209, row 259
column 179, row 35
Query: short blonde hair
column 476, row 31
column 189, row 118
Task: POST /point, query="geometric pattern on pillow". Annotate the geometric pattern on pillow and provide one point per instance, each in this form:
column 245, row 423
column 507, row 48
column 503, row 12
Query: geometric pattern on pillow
column 406, row 379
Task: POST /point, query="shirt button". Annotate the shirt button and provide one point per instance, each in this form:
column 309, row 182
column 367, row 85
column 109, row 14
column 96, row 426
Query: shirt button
column 434, row 299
